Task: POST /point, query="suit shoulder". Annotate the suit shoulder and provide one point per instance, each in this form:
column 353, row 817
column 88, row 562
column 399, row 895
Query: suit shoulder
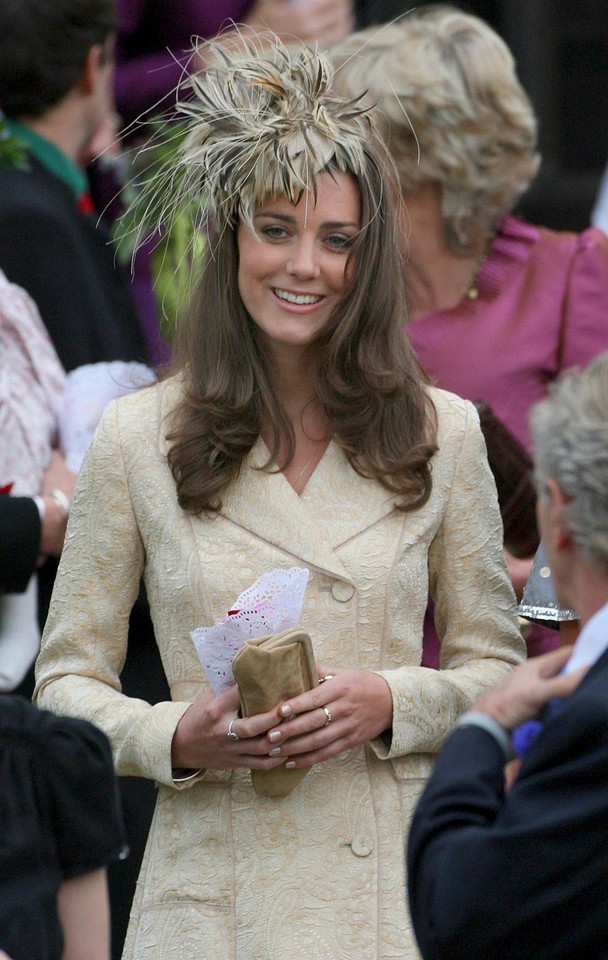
column 455, row 415
column 32, row 189
column 140, row 403
column 143, row 412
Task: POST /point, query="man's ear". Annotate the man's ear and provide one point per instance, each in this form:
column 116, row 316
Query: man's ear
column 557, row 502
column 90, row 69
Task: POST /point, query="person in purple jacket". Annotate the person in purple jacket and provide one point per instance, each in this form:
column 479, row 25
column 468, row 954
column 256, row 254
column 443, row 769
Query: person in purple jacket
column 497, row 307
column 155, row 38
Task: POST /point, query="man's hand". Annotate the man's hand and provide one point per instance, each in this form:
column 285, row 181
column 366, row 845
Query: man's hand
column 522, row 695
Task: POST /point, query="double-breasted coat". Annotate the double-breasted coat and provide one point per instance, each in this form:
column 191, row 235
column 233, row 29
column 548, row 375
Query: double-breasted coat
column 320, row 873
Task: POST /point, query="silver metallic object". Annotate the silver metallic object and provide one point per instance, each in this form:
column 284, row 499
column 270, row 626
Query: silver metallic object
column 538, row 602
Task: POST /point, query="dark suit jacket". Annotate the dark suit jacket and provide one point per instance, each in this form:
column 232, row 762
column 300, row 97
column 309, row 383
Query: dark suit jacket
column 19, row 542
column 522, row 874
column 66, row 263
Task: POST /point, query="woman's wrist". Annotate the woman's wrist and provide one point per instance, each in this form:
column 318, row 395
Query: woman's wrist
column 53, row 524
column 62, row 501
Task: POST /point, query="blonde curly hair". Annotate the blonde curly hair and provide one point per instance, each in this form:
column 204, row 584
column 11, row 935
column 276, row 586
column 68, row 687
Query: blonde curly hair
column 452, row 111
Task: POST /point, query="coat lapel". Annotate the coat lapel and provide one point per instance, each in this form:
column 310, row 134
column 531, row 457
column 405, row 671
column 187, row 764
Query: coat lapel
column 336, row 505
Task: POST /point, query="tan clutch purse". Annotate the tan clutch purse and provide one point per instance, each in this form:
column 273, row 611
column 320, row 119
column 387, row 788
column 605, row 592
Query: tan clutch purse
column 267, row 670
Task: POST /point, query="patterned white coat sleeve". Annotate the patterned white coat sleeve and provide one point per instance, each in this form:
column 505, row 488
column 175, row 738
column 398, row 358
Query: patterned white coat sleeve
column 85, row 639
column 474, row 603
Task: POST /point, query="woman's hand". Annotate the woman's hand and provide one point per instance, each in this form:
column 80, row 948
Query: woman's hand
column 52, row 532
column 352, row 707
column 519, row 571
column 58, row 476
column 324, row 21
column 201, row 737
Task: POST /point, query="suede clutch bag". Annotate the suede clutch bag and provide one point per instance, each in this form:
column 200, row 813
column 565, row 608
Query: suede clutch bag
column 268, row 670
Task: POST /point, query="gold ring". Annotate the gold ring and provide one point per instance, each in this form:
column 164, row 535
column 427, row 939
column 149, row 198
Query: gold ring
column 328, row 676
column 231, row 734
column 328, row 716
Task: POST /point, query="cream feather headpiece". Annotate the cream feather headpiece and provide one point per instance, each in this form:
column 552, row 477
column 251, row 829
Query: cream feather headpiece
column 265, row 122
column 260, row 120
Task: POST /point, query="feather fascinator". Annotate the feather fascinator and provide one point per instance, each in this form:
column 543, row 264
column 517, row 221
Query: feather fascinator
column 259, row 123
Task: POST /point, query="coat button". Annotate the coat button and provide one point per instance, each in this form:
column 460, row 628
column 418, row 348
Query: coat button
column 342, row 591
column 362, row 845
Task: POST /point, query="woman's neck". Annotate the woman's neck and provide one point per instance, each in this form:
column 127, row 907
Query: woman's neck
column 294, row 379
column 295, row 385
column 437, row 278
column 440, row 282
column 311, row 428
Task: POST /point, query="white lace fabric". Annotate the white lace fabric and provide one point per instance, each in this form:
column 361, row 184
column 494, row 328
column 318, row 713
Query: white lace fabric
column 270, row 605
column 88, row 390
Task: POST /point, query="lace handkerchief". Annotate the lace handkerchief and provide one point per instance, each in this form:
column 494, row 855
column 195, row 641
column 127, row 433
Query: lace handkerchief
column 272, row 604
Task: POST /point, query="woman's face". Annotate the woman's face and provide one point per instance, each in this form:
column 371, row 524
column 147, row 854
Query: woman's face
column 292, row 270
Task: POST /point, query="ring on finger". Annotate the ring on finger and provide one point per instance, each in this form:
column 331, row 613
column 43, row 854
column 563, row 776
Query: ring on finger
column 328, row 676
column 231, row 733
column 328, row 715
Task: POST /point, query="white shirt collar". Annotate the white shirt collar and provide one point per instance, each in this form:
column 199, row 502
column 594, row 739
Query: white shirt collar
column 591, row 641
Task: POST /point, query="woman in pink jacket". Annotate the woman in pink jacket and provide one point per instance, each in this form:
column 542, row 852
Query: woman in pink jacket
column 498, row 307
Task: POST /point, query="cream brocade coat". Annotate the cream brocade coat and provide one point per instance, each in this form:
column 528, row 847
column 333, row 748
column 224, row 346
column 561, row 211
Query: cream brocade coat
column 228, row 875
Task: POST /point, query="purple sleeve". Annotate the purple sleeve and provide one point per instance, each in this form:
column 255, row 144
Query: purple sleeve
column 148, row 78
column 146, row 83
column 584, row 331
column 130, row 15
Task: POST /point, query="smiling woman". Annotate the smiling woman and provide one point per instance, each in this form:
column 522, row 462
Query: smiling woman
column 297, row 429
column 293, row 268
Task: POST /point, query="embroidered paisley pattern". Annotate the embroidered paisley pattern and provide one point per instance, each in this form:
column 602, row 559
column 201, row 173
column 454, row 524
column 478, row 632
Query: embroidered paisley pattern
column 229, row 875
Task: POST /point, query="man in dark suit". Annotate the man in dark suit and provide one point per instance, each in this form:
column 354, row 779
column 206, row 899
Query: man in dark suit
column 56, row 62
column 522, row 871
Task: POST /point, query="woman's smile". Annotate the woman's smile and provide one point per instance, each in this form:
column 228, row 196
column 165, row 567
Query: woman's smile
column 299, row 299
column 298, row 302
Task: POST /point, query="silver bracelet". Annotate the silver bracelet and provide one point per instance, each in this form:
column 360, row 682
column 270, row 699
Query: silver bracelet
column 485, row 721
column 61, row 500
column 183, row 774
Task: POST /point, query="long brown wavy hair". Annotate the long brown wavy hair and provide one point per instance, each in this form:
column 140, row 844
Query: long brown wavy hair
column 369, row 383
